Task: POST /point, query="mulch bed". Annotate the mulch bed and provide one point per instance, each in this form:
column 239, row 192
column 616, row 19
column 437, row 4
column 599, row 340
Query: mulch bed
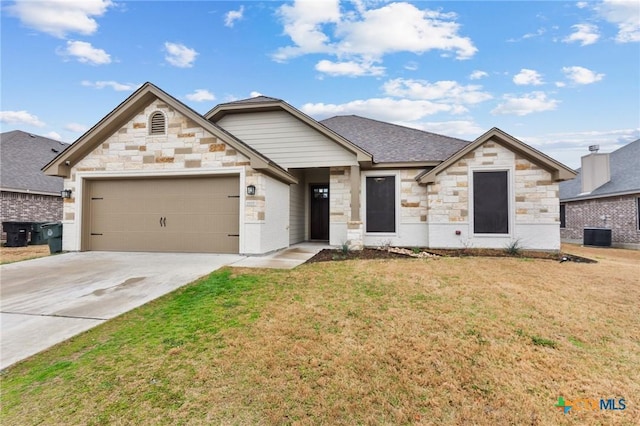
column 328, row 255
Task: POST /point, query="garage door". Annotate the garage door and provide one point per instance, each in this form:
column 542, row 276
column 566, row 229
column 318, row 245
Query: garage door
column 197, row 215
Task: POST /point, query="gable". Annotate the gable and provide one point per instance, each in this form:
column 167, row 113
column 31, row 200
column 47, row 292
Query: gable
column 286, row 140
column 127, row 110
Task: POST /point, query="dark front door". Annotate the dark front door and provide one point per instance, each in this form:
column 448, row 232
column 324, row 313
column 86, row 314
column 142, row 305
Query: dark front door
column 319, row 212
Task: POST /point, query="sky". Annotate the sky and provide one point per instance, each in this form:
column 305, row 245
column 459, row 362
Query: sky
column 560, row 76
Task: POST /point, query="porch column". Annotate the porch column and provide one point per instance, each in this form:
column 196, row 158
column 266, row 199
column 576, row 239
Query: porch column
column 355, row 230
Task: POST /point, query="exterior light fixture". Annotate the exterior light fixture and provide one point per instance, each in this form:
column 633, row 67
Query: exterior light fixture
column 251, row 190
column 65, row 193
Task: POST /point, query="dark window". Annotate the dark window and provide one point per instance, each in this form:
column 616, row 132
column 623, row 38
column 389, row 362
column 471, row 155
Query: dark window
column 490, row 203
column 157, row 124
column 563, row 216
column 638, row 211
column 381, row 204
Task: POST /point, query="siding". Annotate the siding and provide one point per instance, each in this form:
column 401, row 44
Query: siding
column 296, row 209
column 286, row 140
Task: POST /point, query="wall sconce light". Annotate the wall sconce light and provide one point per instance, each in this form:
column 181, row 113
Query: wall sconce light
column 251, row 190
column 65, row 193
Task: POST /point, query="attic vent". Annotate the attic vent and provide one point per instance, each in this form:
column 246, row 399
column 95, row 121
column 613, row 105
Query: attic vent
column 157, row 124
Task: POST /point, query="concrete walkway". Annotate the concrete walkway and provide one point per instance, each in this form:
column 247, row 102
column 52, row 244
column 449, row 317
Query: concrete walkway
column 287, row 258
column 48, row 300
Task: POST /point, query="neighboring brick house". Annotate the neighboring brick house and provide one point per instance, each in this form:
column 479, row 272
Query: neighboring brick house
column 28, row 194
column 605, row 194
column 258, row 175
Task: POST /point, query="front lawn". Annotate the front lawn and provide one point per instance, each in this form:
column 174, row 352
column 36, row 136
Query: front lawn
column 418, row 341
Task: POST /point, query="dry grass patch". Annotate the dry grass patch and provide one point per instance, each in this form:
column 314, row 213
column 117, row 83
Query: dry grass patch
column 445, row 341
column 16, row 254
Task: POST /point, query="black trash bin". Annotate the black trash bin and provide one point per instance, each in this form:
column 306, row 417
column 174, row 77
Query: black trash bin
column 17, row 233
column 53, row 232
column 38, row 236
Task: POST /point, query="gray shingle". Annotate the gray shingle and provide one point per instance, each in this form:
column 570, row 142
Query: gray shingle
column 624, row 164
column 391, row 143
column 23, row 156
column 254, row 100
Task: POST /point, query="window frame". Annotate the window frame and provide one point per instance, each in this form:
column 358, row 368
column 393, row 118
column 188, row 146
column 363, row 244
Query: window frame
column 511, row 201
column 363, row 201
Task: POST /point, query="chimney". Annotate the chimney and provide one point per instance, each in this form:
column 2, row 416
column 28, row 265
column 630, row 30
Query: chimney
column 595, row 170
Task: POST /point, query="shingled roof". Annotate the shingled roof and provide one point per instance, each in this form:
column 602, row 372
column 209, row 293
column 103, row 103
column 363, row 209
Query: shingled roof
column 23, row 156
column 391, row 143
column 255, row 99
column 625, row 176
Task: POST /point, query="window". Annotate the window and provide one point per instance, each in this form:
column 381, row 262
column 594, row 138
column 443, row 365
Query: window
column 638, row 211
column 490, row 202
column 381, row 204
column 157, row 124
column 563, row 216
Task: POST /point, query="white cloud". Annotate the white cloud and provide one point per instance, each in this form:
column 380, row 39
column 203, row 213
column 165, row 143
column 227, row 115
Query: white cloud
column 201, row 95
column 560, row 84
column 54, row 135
column 445, row 91
column 179, row 55
column 411, row 66
column 527, row 77
column 60, row 17
column 385, row 109
column 349, row 68
column 85, row 53
column 366, row 35
column 582, row 4
column 20, row 117
column 76, row 128
column 526, row 104
column 538, row 33
column 584, row 33
column 118, row 87
column 625, row 14
column 255, row 94
column 477, row 75
column 581, row 75
column 232, row 16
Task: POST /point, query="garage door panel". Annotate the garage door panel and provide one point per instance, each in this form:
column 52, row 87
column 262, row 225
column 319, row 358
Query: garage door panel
column 179, row 215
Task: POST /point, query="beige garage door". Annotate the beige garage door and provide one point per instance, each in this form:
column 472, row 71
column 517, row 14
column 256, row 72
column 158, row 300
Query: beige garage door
column 197, row 215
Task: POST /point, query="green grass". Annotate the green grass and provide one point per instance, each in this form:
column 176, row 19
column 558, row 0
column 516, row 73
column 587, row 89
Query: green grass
column 445, row 341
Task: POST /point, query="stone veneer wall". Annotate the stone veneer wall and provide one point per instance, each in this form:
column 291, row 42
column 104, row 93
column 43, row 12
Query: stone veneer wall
column 185, row 146
column 340, row 194
column 534, row 202
column 618, row 213
column 536, row 195
column 23, row 207
column 413, row 198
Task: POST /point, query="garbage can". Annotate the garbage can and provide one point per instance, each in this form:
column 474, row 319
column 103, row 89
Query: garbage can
column 38, row 236
column 53, row 232
column 17, row 233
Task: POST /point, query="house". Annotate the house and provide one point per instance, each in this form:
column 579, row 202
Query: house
column 605, row 194
column 258, row 175
column 27, row 194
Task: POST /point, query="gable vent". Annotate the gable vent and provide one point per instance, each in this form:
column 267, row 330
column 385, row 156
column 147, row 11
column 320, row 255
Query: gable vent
column 158, row 124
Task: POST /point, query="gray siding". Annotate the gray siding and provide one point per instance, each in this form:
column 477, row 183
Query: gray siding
column 286, row 140
column 297, row 209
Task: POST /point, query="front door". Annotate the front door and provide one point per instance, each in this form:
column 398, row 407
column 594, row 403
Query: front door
column 319, row 212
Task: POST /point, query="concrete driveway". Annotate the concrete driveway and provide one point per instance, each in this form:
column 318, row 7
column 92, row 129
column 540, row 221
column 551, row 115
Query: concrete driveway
column 48, row 300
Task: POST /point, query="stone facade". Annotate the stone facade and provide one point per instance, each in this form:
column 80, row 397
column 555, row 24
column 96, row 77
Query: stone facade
column 185, row 146
column 23, row 207
column 536, row 195
column 340, row 198
column 620, row 214
column 413, row 198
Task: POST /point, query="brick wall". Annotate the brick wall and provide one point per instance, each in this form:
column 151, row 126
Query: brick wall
column 618, row 213
column 15, row 206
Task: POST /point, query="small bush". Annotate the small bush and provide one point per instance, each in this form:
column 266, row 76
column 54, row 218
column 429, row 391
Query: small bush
column 514, row 248
column 541, row 341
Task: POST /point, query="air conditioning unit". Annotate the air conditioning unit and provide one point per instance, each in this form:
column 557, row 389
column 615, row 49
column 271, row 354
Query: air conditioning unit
column 599, row 237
